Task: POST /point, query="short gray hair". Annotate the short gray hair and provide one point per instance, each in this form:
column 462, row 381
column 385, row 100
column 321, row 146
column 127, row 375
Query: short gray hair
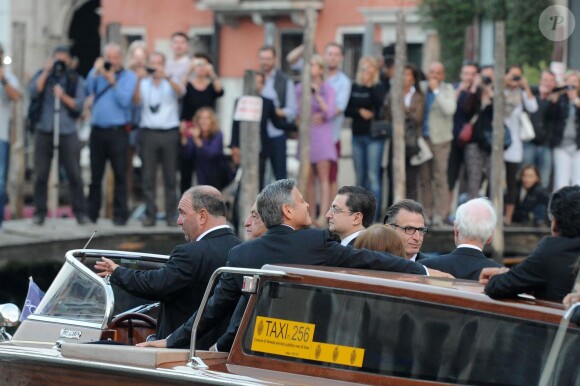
column 271, row 199
column 476, row 220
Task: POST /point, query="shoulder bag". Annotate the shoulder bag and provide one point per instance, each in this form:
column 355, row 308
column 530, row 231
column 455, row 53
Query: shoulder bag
column 527, row 132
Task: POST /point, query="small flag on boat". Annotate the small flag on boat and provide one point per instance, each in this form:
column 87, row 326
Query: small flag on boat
column 33, row 298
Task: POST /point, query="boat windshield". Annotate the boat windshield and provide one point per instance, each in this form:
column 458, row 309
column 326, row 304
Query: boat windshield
column 75, row 295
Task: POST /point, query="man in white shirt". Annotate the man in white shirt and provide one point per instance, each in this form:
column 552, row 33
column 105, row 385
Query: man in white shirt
column 351, row 212
column 473, row 228
column 8, row 93
column 159, row 135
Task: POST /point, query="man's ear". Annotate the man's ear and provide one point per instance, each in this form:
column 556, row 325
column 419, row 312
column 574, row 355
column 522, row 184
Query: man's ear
column 357, row 218
column 203, row 216
column 287, row 211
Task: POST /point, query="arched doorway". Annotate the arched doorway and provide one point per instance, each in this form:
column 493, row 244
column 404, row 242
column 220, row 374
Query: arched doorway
column 84, row 36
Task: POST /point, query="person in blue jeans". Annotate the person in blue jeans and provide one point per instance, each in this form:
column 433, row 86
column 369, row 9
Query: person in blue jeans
column 366, row 100
column 9, row 92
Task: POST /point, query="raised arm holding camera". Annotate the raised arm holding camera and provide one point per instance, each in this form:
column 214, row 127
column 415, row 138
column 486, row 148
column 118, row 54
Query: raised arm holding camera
column 59, row 94
column 158, row 95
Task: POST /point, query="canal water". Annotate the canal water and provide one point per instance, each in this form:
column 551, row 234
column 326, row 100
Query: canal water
column 43, row 261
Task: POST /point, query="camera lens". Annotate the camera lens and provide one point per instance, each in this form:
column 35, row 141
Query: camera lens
column 107, row 66
column 517, row 78
column 486, row 80
column 58, row 68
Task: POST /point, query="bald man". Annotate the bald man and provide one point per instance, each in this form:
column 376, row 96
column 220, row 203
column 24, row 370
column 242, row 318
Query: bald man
column 111, row 89
column 440, row 106
column 180, row 284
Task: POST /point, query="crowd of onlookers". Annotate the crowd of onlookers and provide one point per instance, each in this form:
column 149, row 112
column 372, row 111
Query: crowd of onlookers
column 163, row 110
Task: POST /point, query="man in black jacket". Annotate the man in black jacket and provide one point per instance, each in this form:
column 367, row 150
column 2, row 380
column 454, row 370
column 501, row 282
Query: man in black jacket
column 180, row 284
column 285, row 214
column 548, row 272
column 473, row 227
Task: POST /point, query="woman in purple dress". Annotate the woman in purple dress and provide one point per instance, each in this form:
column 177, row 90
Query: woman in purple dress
column 204, row 142
column 322, row 149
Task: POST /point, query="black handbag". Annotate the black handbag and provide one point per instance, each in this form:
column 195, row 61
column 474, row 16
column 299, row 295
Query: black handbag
column 411, row 137
column 381, row 129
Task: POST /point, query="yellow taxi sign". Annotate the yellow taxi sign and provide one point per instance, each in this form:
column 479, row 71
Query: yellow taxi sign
column 282, row 337
column 295, row 339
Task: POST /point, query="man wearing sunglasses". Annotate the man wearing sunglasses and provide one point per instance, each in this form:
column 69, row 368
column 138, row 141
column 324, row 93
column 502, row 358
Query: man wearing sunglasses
column 408, row 219
column 351, row 212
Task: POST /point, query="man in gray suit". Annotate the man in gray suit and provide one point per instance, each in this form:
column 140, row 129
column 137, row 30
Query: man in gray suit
column 473, row 227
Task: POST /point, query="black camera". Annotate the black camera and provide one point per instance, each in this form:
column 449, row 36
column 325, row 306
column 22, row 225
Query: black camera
column 516, row 78
column 154, row 108
column 486, row 80
column 150, row 70
column 564, row 88
column 58, row 68
column 107, row 66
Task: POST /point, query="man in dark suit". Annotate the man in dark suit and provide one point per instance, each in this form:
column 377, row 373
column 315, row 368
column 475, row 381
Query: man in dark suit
column 408, row 218
column 474, row 225
column 180, row 284
column 351, row 212
column 285, row 214
column 548, row 272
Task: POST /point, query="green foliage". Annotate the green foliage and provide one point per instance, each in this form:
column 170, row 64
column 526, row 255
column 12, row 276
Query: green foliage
column 449, row 18
column 525, row 45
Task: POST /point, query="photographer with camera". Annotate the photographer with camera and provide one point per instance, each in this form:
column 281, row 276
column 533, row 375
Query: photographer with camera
column 566, row 138
column 111, row 89
column 158, row 95
column 538, row 151
column 59, row 92
column 9, row 92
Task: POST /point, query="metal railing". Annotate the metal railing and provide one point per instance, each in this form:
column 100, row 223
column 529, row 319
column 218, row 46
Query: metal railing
column 194, row 361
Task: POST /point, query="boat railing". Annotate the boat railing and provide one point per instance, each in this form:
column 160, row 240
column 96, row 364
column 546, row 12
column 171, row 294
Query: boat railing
column 250, row 285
